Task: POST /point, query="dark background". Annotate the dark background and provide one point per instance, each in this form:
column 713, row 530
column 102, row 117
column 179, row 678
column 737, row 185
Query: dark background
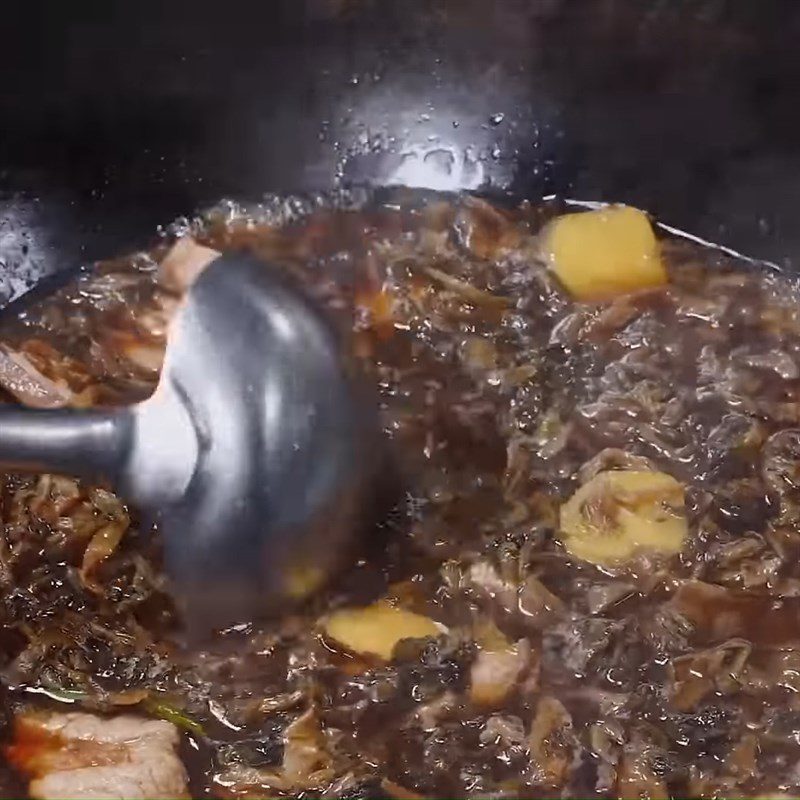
column 118, row 116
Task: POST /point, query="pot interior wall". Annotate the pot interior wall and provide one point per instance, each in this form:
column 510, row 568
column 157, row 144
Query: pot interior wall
column 117, row 117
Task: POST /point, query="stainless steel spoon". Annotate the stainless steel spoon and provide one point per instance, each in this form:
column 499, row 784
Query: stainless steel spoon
column 253, row 455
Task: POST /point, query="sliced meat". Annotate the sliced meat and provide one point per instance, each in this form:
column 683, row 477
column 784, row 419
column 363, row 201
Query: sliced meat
column 494, row 673
column 20, row 378
column 183, row 264
column 717, row 614
column 551, row 742
column 86, row 757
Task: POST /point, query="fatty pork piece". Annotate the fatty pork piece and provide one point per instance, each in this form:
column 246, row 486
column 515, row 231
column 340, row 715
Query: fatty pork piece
column 178, row 270
column 24, row 380
column 21, row 379
column 183, row 264
column 86, row 757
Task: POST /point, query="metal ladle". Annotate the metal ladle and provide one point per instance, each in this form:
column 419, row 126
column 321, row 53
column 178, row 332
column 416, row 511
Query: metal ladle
column 252, row 455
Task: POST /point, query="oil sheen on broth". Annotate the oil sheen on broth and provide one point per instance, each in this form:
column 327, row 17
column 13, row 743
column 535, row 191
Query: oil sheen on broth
column 586, row 582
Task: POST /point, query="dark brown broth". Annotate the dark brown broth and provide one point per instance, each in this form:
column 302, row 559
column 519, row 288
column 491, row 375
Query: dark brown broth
column 495, row 392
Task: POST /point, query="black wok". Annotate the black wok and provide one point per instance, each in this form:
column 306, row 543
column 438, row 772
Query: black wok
column 116, row 116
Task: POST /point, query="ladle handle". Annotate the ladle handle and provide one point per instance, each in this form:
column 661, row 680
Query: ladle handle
column 90, row 444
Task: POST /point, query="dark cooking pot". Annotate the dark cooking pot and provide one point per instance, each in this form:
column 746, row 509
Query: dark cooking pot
column 118, row 116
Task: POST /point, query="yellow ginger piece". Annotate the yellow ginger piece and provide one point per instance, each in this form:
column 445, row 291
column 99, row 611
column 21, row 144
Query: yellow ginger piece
column 600, row 254
column 618, row 514
column 376, row 629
